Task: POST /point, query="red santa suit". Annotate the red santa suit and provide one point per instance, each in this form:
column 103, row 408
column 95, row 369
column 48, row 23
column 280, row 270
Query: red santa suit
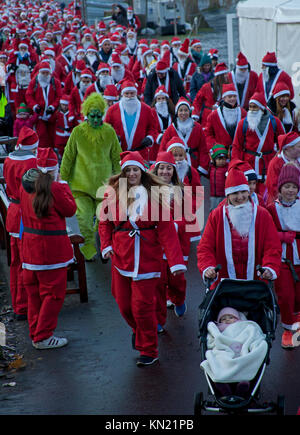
column 278, row 161
column 195, row 143
column 143, row 126
column 63, row 127
column 287, row 221
column 46, row 252
column 46, row 98
column 247, row 88
column 270, row 60
column 70, row 80
column 63, row 65
column 255, row 147
column 138, row 243
column 222, row 244
column 15, row 165
column 76, row 100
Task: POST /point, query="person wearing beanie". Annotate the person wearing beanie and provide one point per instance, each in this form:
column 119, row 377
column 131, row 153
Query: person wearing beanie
column 217, row 174
column 91, row 156
column 210, row 94
column 271, row 74
column 45, row 202
column 289, row 151
column 191, row 132
column 135, row 237
column 203, row 74
column 133, row 121
column 24, row 117
column 222, row 122
column 256, row 137
column 239, row 235
column 281, row 106
column 236, row 350
column 17, row 162
column 286, row 215
column 244, row 80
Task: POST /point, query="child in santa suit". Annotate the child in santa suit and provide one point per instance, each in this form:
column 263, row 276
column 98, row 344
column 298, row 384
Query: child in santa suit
column 217, row 174
column 286, row 215
column 46, row 249
column 63, row 126
column 134, row 235
column 24, row 118
column 172, row 290
column 18, row 162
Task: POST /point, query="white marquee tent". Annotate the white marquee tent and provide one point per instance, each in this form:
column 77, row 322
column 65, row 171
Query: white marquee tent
column 272, row 25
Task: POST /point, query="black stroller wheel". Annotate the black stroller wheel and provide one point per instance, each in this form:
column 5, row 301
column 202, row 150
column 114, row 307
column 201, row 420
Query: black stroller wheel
column 280, row 405
column 198, row 403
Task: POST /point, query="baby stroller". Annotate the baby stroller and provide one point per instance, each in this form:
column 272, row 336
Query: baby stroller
column 256, row 299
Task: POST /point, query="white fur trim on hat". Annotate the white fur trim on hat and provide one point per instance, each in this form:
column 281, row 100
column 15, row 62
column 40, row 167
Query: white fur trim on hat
column 229, row 93
column 47, row 169
column 258, row 104
column 29, row 147
column 234, row 189
column 133, row 163
column 64, row 102
column 129, row 88
column 218, row 73
column 291, row 144
column 283, row 92
column 176, row 144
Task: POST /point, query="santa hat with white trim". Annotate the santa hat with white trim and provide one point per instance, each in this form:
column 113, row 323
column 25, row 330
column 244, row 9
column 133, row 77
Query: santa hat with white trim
column 102, row 67
column 288, row 140
column 180, row 102
column 196, row 43
column 243, row 166
column 165, row 157
column 132, row 158
column 269, row 59
column 127, row 85
column 67, row 45
column 258, row 98
column 87, row 73
column 92, row 48
column 65, row 99
column 111, row 93
column 46, row 160
column 45, row 66
column 185, row 47
column 221, row 68
column 175, row 142
column 236, row 181
column 281, row 88
column 241, row 61
column 115, row 60
column 28, row 139
column 228, row 89
column 161, row 90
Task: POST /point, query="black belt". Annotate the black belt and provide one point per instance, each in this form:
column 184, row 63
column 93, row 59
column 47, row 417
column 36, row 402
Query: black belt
column 45, row 232
column 14, row 201
column 261, row 155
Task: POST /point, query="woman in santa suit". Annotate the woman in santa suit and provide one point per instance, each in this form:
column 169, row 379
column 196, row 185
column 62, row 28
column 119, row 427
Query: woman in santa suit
column 46, row 249
column 239, row 235
column 281, row 106
column 191, row 133
column 222, row 122
column 134, row 234
column 286, row 215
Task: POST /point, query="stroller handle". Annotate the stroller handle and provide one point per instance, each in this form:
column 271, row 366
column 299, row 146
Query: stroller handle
column 209, row 281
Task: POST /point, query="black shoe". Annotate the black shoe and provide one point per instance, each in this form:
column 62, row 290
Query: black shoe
column 20, row 317
column 133, row 341
column 145, row 360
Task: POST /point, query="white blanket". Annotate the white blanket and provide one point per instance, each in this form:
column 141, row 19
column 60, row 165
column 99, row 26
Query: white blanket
column 235, row 354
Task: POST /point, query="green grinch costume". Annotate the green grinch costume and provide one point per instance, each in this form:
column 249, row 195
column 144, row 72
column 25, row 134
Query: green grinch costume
column 91, row 156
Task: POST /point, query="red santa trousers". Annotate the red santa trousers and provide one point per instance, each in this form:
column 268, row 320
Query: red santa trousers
column 46, row 291
column 170, row 287
column 17, row 289
column 137, row 304
column 288, row 293
column 46, row 133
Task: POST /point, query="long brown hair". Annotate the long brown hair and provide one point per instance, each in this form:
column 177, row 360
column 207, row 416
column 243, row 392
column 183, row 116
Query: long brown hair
column 218, row 82
column 43, row 197
column 279, row 109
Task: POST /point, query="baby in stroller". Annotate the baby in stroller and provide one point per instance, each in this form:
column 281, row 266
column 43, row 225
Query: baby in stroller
column 236, row 348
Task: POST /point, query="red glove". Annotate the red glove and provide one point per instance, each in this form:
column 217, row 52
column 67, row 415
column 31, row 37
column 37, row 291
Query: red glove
column 287, row 236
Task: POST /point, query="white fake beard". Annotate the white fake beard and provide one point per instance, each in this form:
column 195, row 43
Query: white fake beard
column 80, row 56
column 162, row 108
column 241, row 216
column 23, row 81
column 181, row 62
column 182, row 168
column 91, row 58
column 43, row 82
column 130, row 105
column 290, row 217
column 118, row 75
column 175, row 51
column 240, row 76
column 265, row 73
column 287, row 118
column 185, row 126
column 254, row 118
column 137, row 207
column 83, row 87
column 230, row 115
column 52, row 64
column 105, row 80
column 131, row 42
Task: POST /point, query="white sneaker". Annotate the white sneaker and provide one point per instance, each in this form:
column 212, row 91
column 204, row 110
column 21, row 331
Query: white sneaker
column 50, row 343
column 169, row 304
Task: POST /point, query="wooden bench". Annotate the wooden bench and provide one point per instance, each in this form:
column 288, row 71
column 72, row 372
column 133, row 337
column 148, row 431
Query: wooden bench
column 75, row 238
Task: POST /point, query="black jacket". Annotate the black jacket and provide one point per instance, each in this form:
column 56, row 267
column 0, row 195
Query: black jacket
column 176, row 87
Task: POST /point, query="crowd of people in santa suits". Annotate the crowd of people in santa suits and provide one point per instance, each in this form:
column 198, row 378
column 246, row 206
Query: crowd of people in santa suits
column 180, row 114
